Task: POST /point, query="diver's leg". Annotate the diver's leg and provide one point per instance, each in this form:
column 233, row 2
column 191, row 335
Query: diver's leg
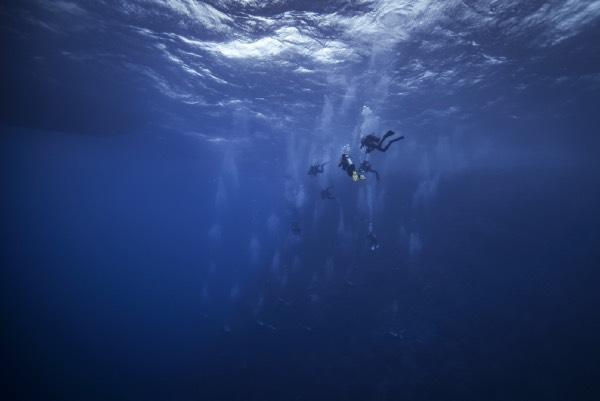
column 383, row 138
column 389, row 143
column 376, row 174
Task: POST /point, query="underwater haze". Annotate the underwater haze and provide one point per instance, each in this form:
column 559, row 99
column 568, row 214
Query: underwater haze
column 162, row 238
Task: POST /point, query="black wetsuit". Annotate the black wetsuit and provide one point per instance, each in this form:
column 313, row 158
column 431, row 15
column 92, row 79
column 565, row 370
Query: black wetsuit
column 347, row 165
column 316, row 169
column 350, row 169
column 372, row 142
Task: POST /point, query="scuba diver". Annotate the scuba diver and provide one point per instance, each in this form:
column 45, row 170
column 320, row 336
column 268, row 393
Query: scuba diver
column 327, row 193
column 373, row 243
column 349, row 167
column 295, row 228
column 366, row 167
column 316, row 169
column 372, row 142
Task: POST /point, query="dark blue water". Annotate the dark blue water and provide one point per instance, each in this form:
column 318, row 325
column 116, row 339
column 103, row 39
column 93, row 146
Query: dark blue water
column 150, row 184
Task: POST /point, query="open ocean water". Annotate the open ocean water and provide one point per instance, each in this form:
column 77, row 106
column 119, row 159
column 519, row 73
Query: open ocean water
column 161, row 237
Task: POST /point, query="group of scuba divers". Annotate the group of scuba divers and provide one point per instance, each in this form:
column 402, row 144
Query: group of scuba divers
column 369, row 143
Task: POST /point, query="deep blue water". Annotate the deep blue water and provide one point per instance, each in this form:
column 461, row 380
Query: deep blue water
column 154, row 158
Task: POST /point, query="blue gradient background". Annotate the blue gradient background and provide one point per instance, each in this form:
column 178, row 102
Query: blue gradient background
column 154, row 154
